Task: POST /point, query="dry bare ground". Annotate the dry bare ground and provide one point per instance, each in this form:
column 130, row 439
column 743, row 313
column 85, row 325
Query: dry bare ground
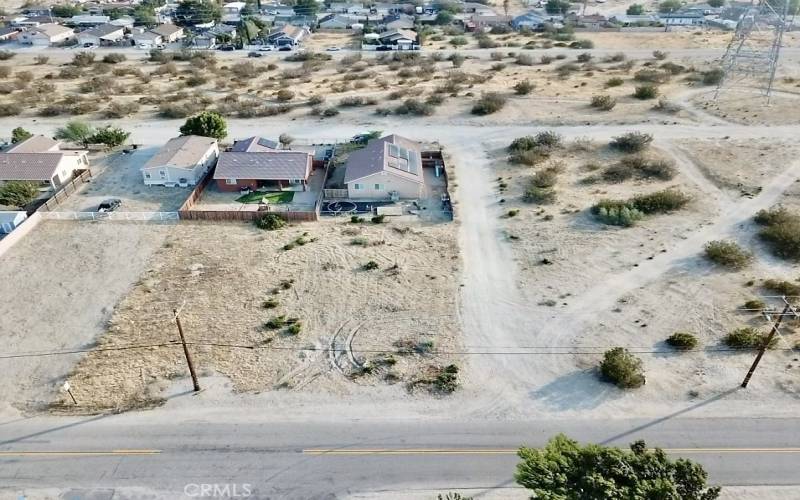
column 221, row 275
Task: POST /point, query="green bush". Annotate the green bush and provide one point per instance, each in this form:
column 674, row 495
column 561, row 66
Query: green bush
column 614, row 82
column 17, row 193
column 616, row 213
column 545, row 178
column 114, row 58
column 534, row 194
column 490, row 102
column 270, row 222
column 603, row 102
column 294, row 328
column 275, row 323
column 530, row 157
column 713, row 77
column 415, row 107
column 781, row 232
column 748, row 338
column 524, row 87
column 657, row 202
column 549, row 139
column 631, row 142
column 727, row 254
column 370, row 266
column 782, row 287
column 775, row 215
column 682, row 341
column 645, row 92
column 269, row 304
column 378, row 219
column 582, row 44
column 649, row 75
column 755, row 304
column 622, row 368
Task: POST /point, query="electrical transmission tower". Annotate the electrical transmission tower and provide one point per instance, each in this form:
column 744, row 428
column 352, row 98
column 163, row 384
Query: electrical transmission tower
column 752, row 55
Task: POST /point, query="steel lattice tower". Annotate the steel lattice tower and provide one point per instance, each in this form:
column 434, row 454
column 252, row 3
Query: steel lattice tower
column 752, row 55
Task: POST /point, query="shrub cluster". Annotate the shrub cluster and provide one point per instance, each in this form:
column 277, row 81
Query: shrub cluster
column 622, row 368
column 603, row 102
column 524, row 87
column 727, row 254
column 682, row 341
column 748, row 338
column 490, row 102
column 781, row 231
column 631, row 142
column 782, row 287
column 270, row 222
column 645, row 92
column 540, row 189
column 626, row 212
column 639, row 167
column 532, row 150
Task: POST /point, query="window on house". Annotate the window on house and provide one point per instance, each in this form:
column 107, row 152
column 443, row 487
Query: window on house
column 230, row 181
column 378, row 187
column 147, row 175
column 163, row 174
column 295, row 181
column 358, row 186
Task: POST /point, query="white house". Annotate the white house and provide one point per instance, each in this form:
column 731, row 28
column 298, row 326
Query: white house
column 169, row 32
column 386, row 168
column 146, row 39
column 683, row 19
column 182, row 161
column 47, row 34
column 89, row 20
column 105, row 34
column 232, row 12
column 9, row 220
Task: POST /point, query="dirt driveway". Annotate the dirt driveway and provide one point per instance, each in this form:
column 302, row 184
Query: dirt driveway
column 118, row 175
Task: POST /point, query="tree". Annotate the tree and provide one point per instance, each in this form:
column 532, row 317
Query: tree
column 622, row 368
column 716, row 3
column 192, row 12
column 144, row 15
column 668, row 6
column 206, row 124
column 17, row 193
column 19, row 134
column 65, row 10
column 444, row 17
column 306, row 7
column 557, row 7
column 75, row 131
column 285, row 139
column 635, row 9
column 565, row 470
column 110, row 136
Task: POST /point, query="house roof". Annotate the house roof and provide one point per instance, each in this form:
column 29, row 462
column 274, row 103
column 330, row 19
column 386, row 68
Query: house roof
column 102, row 30
column 254, row 144
column 89, row 19
column 391, row 154
column 147, row 35
column 28, row 166
column 185, row 151
column 8, row 31
column 398, row 33
column 268, row 165
column 167, row 29
column 52, row 29
column 35, row 144
column 289, row 30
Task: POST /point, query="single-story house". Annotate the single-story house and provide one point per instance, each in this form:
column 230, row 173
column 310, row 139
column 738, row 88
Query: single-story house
column 146, row 39
column 626, row 21
column 206, row 41
column 683, row 19
column 534, row 20
column 398, row 22
column 386, row 168
column 169, row 32
column 52, row 168
column 124, row 21
column 182, row 161
column 47, row 34
column 480, row 21
column 271, row 170
column 105, row 34
column 9, row 220
column 288, row 35
column 590, row 21
column 35, row 144
column 337, row 21
column 399, row 38
column 27, row 21
column 255, row 144
column 232, row 12
column 89, row 20
column 8, row 33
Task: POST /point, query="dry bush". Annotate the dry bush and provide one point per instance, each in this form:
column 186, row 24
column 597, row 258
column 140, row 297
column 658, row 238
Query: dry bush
column 603, row 102
column 120, row 110
column 489, row 102
column 5, row 71
column 10, row 109
column 728, row 254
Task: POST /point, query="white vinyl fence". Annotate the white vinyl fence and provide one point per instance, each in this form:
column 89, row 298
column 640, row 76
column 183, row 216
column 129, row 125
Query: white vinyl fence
column 113, row 216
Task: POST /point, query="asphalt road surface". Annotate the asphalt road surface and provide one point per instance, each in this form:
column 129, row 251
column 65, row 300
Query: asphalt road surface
column 127, row 455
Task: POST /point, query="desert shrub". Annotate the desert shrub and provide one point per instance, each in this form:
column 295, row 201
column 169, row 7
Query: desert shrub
column 665, row 106
column 10, row 109
column 284, row 95
column 524, row 143
column 307, row 56
column 660, row 55
column 618, row 57
column 529, row 157
column 5, row 71
column 41, row 60
column 748, row 338
column 672, row 68
column 316, row 100
column 490, row 102
column 603, row 102
column 713, row 77
column 196, row 79
column 414, row 107
column 83, row 59
column 370, row 266
column 616, row 213
column 120, row 110
column 524, row 87
column 524, row 60
column 645, row 92
column 498, row 67
column 329, row 112
column 622, row 368
column 270, row 222
column 781, row 232
column 584, row 57
column 114, row 58
column 651, row 76
column 782, row 287
column 727, row 254
column 545, row 60
column 545, row 178
column 352, row 101
column 641, row 167
column 755, row 304
column 541, row 195
column 682, row 341
column 631, row 142
column 549, row 139
column 664, row 201
column 5, row 55
column 582, row 44
column 458, row 41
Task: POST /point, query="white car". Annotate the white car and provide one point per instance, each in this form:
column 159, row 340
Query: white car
column 333, row 49
column 267, row 48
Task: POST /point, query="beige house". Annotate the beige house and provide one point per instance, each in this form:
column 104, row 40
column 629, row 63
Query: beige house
column 47, row 34
column 182, row 161
column 169, row 32
column 386, row 168
column 40, row 160
column 105, row 34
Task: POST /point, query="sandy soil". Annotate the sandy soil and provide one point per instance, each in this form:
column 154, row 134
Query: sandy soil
column 745, row 106
column 59, row 287
column 220, row 275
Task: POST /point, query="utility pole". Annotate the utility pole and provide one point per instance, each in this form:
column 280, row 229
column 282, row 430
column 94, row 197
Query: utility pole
column 186, row 352
column 788, row 309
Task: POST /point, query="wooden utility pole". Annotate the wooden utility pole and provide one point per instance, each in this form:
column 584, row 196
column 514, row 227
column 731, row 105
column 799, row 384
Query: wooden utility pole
column 774, row 331
column 186, row 352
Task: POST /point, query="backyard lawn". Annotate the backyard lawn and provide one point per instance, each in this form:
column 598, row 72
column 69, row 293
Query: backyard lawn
column 271, row 198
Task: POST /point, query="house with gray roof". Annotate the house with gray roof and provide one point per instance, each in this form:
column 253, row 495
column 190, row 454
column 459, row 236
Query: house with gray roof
column 105, row 34
column 254, row 164
column 182, row 161
column 47, row 167
column 386, row 168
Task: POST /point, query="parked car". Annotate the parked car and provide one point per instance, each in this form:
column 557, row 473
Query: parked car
column 382, row 47
column 285, row 48
column 89, row 46
column 226, row 48
column 109, row 205
column 333, row 49
column 254, row 54
column 267, row 48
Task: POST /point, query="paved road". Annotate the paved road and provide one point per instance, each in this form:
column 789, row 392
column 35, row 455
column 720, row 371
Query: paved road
column 285, row 459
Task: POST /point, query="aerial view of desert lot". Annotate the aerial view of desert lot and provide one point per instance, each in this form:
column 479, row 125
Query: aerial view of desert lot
column 521, row 215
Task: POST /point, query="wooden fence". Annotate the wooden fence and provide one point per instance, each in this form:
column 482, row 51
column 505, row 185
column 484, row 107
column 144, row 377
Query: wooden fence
column 66, row 190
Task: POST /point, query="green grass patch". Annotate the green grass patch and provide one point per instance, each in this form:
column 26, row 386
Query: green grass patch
column 275, row 198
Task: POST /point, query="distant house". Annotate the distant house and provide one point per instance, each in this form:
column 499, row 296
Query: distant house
column 125, row 22
column 589, row 22
column 268, row 170
column 146, row 39
column 106, row 34
column 481, row 21
column 182, row 161
column 255, row 144
column 10, row 220
column 47, row 34
column 336, row 21
column 534, row 20
column 691, row 18
column 627, row 21
column 401, row 39
column 169, row 32
column 386, row 168
column 232, row 12
column 288, row 35
column 8, row 33
column 40, row 160
column 398, row 22
column 89, row 20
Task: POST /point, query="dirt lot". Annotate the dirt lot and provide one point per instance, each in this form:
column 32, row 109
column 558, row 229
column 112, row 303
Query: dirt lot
column 59, row 287
column 221, row 275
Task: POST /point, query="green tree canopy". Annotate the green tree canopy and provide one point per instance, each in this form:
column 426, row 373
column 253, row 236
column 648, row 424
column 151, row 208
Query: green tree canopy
column 17, row 193
column 557, row 7
column 192, row 12
column 110, row 136
column 716, row 3
column 206, row 124
column 144, row 15
column 306, row 7
column 565, row 470
column 635, row 9
column 19, row 134
column 444, row 17
column 65, row 10
column 75, row 131
column 668, row 6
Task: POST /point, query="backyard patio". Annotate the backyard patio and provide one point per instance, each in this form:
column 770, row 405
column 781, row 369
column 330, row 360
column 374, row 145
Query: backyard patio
column 297, row 201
